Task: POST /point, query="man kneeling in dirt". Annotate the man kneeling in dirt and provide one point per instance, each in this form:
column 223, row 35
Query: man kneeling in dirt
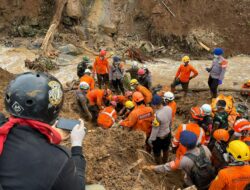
column 31, row 157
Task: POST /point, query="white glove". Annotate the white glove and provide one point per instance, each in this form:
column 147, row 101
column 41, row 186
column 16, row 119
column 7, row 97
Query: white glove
column 77, row 134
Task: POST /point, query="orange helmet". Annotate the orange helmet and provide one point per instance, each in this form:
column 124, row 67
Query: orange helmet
column 241, row 125
column 138, row 97
column 128, row 94
column 221, row 135
column 197, row 113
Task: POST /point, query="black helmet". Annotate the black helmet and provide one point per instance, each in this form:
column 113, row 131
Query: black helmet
column 36, row 96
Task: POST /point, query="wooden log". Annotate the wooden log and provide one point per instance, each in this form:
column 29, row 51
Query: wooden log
column 60, row 4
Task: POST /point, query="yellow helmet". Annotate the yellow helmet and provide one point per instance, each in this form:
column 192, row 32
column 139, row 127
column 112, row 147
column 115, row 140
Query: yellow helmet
column 239, row 150
column 248, row 83
column 185, row 59
column 129, row 104
column 134, row 82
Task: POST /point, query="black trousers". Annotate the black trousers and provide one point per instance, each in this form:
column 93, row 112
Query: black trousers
column 118, row 85
column 161, row 144
column 213, row 86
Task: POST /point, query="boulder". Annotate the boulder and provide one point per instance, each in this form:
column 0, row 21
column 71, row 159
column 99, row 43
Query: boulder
column 109, row 29
column 69, row 49
column 26, row 31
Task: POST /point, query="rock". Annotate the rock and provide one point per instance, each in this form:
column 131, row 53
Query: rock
column 64, row 59
column 26, row 31
column 37, row 43
column 69, row 49
column 80, row 30
column 67, row 21
column 109, row 29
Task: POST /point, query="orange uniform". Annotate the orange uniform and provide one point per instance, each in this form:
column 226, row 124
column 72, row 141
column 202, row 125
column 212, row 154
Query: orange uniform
column 231, row 178
column 140, row 119
column 95, row 97
column 184, row 72
column 173, row 106
column 146, row 93
column 107, row 117
column 101, row 66
column 193, row 127
column 88, row 79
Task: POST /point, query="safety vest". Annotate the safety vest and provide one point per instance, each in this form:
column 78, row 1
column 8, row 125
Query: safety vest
column 184, row 127
column 106, row 119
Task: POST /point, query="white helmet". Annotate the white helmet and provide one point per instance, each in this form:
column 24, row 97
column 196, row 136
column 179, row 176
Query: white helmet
column 88, row 71
column 144, row 66
column 135, row 64
column 84, row 86
column 168, row 96
column 207, row 109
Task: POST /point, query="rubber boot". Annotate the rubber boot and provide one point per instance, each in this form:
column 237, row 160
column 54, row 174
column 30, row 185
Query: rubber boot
column 165, row 157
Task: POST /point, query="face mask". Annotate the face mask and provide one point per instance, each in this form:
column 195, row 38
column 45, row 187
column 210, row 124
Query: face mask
column 216, row 56
column 132, row 87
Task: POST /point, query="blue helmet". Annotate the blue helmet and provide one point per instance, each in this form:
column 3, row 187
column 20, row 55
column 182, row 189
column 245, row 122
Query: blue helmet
column 116, row 59
column 218, row 51
column 157, row 100
column 188, row 139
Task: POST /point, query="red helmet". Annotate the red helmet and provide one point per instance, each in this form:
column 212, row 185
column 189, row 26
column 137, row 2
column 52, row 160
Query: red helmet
column 113, row 103
column 141, row 72
column 128, row 93
column 103, row 53
column 115, row 98
column 197, row 113
column 138, row 97
column 241, row 125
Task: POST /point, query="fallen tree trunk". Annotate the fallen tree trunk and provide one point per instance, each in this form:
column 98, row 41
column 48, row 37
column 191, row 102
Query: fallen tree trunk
column 60, row 4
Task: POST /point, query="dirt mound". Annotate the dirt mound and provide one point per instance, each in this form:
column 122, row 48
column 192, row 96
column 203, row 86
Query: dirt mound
column 5, row 79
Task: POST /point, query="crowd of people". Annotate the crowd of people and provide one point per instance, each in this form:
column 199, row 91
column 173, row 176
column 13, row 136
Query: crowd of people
column 212, row 148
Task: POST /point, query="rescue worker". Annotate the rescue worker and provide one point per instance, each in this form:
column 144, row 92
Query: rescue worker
column 107, row 116
column 242, row 131
column 168, row 98
column 133, row 70
column 140, row 118
column 128, row 95
column 129, row 106
column 244, row 89
column 183, row 75
column 190, row 162
column 88, row 79
column 207, row 121
column 116, row 75
column 219, row 158
column 101, row 69
column 81, row 94
column 144, row 79
column 120, row 100
column 237, row 174
column 193, row 127
column 135, row 86
column 97, row 99
column 82, row 66
column 216, row 71
column 221, row 116
column 160, row 137
column 31, row 157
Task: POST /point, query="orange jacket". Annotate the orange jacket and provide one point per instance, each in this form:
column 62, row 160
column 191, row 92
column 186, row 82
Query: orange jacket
column 173, row 106
column 107, row 117
column 146, row 93
column 184, row 72
column 101, row 66
column 140, row 119
column 193, row 127
column 231, row 178
column 95, row 97
column 121, row 99
column 88, row 79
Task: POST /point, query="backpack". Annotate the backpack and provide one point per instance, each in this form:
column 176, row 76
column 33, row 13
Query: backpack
column 202, row 173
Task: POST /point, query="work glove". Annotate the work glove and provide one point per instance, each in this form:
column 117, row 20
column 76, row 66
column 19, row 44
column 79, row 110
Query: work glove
column 208, row 70
column 220, row 82
column 77, row 134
